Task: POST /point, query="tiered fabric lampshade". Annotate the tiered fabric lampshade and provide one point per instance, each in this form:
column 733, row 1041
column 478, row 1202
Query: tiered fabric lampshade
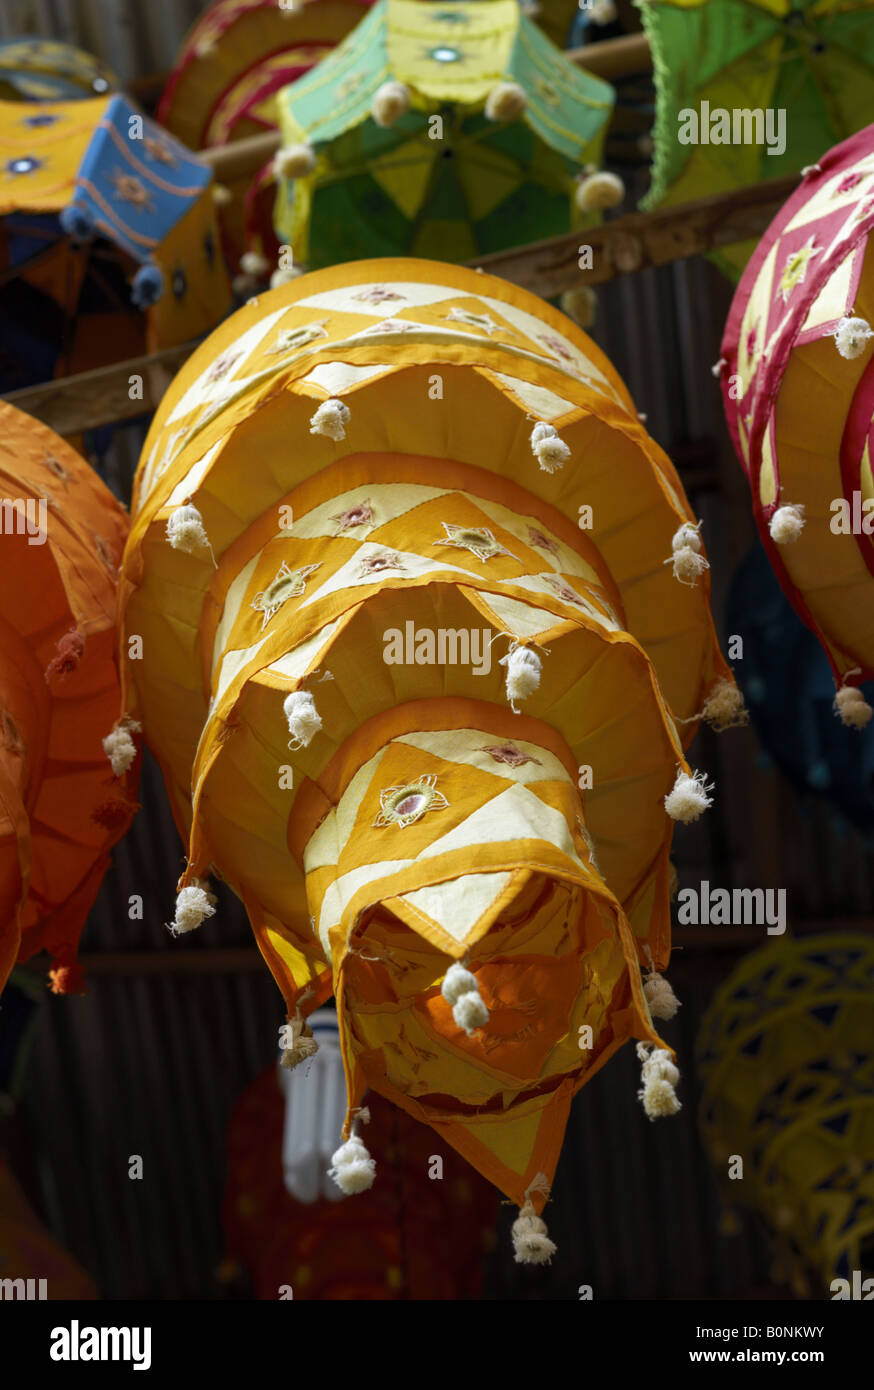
column 413, row 646
column 108, row 240
column 786, row 1061
column 422, row 1233
column 798, row 385
column 61, row 808
column 224, row 84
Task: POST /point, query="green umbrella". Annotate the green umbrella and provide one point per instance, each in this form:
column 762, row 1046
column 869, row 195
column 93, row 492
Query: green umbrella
column 812, row 60
column 440, row 130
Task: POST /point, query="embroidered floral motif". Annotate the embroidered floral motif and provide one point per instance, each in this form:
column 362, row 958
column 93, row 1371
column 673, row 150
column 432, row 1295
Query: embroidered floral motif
column 508, row 753
column 287, row 339
column 846, row 183
column 287, row 584
column 542, row 542
column 42, row 118
column 383, row 560
column 130, row 190
column 388, row 326
column 752, row 338
column 55, row 466
column 159, row 150
column 350, row 85
column 547, row 91
column 104, row 552
column 479, row 540
column 555, row 346
column 376, row 294
column 359, row 515
column 562, row 590
column 485, row 322
column 407, row 804
column 222, row 366
column 795, row 267
column 179, row 284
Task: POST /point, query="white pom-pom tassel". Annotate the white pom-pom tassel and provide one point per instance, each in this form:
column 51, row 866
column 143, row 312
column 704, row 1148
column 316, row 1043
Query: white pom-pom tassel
column 294, row 161
column 352, row 1168
column 689, row 797
column 787, row 523
column 119, row 747
column 391, row 101
column 303, row 718
column 602, row 11
column 581, row 305
column 852, row 708
column 254, row 265
column 658, row 1076
column 523, row 673
column 550, row 451
column 193, row 905
column 301, row 1043
column 688, row 562
column 185, row 530
column 506, row 102
column 331, row 419
column 531, row 1243
column 598, row 191
column 663, row 1002
column 687, row 537
column 284, row 276
column 461, row 990
column 221, row 195
column 724, row 707
column 852, row 336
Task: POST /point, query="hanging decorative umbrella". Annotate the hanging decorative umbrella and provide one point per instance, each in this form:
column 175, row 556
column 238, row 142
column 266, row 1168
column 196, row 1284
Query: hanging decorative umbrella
column 421, row 1234
column 62, row 538
column 33, row 69
column 446, row 130
column 798, row 388
column 789, row 689
column 379, row 670
column 724, row 60
column 786, row 1063
column 225, row 82
column 108, row 242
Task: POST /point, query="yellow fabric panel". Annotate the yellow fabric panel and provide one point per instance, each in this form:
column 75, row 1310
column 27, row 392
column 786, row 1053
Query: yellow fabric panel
column 489, row 32
column 58, row 148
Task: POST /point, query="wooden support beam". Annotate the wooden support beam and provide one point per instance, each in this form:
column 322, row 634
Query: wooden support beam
column 103, row 396
column 621, row 57
column 548, row 268
column 641, row 239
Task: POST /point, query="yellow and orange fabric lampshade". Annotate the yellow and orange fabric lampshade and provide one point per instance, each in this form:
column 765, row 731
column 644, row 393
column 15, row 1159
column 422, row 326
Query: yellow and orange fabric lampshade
column 224, row 83
column 785, row 1059
column 62, row 810
column 797, row 373
column 415, row 655
column 422, row 1234
column 108, row 239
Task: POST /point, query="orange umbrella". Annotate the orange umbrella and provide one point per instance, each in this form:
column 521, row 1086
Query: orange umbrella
column 61, row 810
